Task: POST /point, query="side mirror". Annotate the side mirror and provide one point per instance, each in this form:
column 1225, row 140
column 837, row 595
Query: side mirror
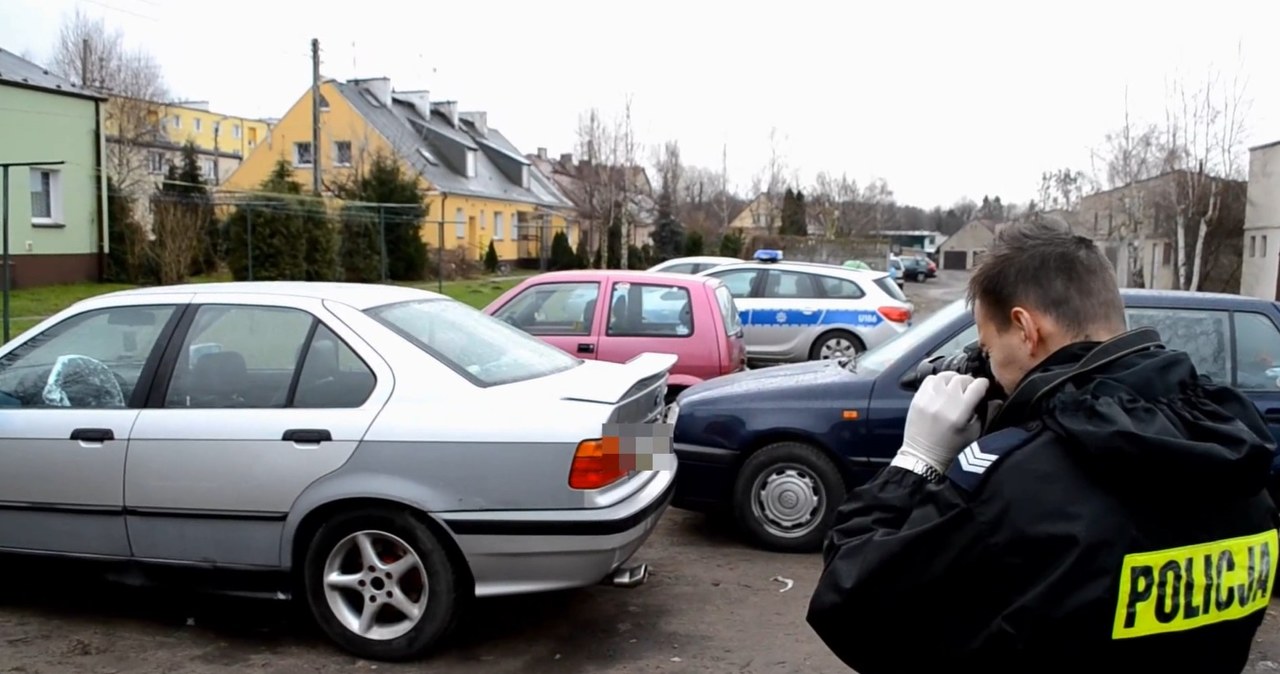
column 914, row 377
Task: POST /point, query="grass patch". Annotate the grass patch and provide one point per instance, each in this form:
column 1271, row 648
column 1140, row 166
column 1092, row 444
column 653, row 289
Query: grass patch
column 29, row 307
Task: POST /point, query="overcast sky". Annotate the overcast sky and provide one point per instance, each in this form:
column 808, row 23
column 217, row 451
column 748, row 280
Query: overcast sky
column 942, row 99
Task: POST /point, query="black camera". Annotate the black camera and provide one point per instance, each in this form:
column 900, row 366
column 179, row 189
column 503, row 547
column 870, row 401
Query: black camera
column 970, row 360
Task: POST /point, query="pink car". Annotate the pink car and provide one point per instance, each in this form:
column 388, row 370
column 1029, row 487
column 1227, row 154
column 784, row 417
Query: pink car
column 614, row 315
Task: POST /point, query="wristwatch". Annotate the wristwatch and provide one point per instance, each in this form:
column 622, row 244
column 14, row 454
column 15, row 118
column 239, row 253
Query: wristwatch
column 918, row 466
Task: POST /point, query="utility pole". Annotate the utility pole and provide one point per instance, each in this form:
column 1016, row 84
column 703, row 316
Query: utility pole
column 315, row 115
column 84, row 63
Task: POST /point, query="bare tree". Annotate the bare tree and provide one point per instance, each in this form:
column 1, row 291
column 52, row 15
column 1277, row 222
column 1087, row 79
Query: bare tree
column 87, row 52
column 1204, row 130
column 723, row 211
column 594, row 175
column 823, row 202
column 771, row 183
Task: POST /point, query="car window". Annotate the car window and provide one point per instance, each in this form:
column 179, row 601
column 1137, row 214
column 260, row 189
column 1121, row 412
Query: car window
column 553, row 308
column 1257, row 351
column 486, row 351
column 239, row 356
column 728, row 311
column 682, row 268
column 645, row 310
column 790, row 285
column 890, row 288
column 1203, row 335
column 739, row 281
column 91, row 360
column 332, row 375
column 955, row 344
column 840, row 288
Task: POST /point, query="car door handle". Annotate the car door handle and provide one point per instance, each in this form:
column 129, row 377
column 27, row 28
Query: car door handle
column 586, row 348
column 93, row 434
column 309, row 436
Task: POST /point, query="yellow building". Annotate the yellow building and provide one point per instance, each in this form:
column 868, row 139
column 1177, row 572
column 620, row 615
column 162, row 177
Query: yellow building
column 146, row 136
column 474, row 181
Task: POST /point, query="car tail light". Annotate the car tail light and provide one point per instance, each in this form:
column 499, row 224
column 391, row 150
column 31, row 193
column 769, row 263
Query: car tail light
column 895, row 314
column 597, row 463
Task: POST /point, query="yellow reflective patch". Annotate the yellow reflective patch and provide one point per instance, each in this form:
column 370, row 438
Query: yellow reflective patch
column 1184, row 588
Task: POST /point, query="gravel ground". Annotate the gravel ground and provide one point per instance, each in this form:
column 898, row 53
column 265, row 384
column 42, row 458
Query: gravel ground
column 712, row 605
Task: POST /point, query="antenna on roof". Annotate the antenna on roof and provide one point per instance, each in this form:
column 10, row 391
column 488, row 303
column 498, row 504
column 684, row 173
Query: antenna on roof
column 355, row 72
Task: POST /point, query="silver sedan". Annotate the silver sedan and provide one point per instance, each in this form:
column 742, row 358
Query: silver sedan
column 392, row 451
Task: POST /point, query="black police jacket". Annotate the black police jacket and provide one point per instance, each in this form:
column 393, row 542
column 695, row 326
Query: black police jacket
column 1112, row 516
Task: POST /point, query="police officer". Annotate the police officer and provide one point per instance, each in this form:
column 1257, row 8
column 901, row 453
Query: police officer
column 1112, row 515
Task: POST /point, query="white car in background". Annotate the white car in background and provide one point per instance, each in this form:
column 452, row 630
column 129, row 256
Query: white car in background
column 797, row 311
column 693, row 265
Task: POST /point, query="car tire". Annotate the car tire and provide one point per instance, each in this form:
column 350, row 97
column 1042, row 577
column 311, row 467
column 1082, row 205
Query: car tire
column 786, row 495
column 395, row 536
column 920, row 277
column 820, row 344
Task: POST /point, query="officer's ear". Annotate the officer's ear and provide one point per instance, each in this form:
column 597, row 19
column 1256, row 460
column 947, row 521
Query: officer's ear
column 1027, row 327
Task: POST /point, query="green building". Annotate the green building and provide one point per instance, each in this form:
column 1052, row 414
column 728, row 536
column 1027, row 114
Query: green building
column 57, row 213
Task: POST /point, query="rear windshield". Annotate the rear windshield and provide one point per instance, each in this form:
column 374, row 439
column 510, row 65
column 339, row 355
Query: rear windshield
column 890, row 288
column 484, row 349
column 728, row 310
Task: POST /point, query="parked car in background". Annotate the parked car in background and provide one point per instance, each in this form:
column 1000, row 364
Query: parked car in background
column 386, row 451
column 915, row 268
column 694, row 264
column 779, row 448
column 931, row 267
column 797, row 311
column 615, row 315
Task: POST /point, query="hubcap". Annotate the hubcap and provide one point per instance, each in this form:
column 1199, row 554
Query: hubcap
column 375, row 585
column 837, row 347
column 787, row 500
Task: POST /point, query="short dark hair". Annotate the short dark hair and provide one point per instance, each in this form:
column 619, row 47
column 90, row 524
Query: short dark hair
column 1042, row 265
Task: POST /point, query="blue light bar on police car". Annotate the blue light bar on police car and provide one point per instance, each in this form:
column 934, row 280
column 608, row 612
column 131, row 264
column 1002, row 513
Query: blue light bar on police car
column 768, row 255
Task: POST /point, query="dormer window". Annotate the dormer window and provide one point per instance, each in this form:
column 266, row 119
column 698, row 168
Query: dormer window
column 471, row 163
column 524, row 177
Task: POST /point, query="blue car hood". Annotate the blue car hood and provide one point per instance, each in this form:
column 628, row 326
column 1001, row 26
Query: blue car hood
column 785, row 379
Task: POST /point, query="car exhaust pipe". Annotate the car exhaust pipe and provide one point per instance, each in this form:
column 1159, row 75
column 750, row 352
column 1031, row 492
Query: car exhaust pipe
column 629, row 576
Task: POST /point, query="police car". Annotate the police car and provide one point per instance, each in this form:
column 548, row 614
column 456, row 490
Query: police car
column 797, row 311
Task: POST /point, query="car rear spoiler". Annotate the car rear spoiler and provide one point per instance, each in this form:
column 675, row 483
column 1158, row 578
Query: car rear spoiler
column 612, row 390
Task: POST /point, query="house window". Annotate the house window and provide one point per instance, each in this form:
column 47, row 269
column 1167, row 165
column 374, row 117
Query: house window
column 471, row 163
column 1167, row 256
column 1262, row 249
column 302, row 154
column 342, row 152
column 155, row 162
column 235, row 131
column 46, row 197
column 177, row 121
column 253, row 137
column 1253, row 246
column 524, row 177
column 459, row 224
column 497, row 227
column 210, row 171
column 198, row 123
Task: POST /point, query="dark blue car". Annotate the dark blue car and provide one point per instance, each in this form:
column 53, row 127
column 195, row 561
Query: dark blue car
column 778, row 448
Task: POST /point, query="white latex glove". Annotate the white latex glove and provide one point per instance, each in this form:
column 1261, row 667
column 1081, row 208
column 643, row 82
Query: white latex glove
column 941, row 419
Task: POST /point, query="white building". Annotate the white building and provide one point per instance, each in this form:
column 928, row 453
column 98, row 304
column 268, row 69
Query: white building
column 1260, row 268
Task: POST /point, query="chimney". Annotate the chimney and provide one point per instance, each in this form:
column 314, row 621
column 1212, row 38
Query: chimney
column 542, row 153
column 448, row 109
column 380, row 87
column 480, row 120
column 566, row 159
column 420, row 100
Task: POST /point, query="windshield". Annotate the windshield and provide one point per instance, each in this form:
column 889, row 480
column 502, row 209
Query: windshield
column 881, row 357
column 481, row 348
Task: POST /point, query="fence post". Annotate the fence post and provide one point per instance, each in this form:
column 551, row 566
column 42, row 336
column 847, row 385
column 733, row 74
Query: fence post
column 382, row 241
column 248, row 216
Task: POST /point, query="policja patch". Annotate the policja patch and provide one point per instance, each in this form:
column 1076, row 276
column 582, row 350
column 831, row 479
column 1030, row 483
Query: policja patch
column 1183, row 588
